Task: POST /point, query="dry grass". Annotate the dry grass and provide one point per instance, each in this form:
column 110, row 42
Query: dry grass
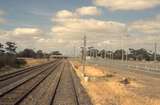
column 112, row 92
column 31, row 62
column 92, row 71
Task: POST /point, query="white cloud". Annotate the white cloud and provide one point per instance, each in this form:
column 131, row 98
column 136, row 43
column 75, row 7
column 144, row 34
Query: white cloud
column 24, row 37
column 145, row 32
column 90, row 10
column 70, row 27
column 102, row 33
column 46, row 41
column 149, row 26
column 73, row 28
column 64, row 14
column 127, row 4
column 26, row 31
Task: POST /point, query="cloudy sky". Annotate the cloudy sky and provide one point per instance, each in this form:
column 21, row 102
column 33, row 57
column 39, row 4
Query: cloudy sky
column 61, row 24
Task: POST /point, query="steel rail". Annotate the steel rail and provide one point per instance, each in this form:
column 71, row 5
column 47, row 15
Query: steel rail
column 20, row 71
column 48, row 72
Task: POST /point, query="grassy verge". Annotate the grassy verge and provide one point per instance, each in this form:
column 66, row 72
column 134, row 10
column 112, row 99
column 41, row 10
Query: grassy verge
column 114, row 90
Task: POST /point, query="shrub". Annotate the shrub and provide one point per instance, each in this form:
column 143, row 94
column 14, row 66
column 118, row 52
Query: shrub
column 20, row 62
column 11, row 60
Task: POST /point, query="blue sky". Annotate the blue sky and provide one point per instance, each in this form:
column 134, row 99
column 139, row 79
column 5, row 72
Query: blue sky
column 38, row 12
column 43, row 23
column 35, row 12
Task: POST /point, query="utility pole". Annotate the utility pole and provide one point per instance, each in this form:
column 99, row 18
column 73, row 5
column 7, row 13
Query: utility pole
column 127, row 48
column 90, row 51
column 105, row 54
column 101, row 54
column 127, row 37
column 126, row 55
column 95, row 53
column 81, row 54
column 155, row 51
column 106, row 50
column 122, row 48
column 74, row 51
column 84, row 55
column 110, row 55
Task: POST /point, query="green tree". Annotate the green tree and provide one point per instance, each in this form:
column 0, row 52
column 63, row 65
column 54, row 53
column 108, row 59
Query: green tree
column 30, row 53
column 118, row 54
column 40, row 54
column 102, row 53
column 11, row 47
column 140, row 54
column 56, row 53
column 1, row 45
column 95, row 52
column 1, row 48
column 89, row 52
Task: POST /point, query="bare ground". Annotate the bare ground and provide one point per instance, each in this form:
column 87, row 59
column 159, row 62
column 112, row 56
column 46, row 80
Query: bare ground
column 140, row 89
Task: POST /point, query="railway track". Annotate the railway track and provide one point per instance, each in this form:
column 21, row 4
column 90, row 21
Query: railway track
column 56, row 84
column 14, row 92
column 14, row 77
column 21, row 71
column 65, row 93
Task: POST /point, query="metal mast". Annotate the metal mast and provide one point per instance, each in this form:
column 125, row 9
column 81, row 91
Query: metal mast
column 84, row 54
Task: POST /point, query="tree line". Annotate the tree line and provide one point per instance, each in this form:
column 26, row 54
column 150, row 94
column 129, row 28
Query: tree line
column 30, row 53
column 132, row 54
column 10, row 57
